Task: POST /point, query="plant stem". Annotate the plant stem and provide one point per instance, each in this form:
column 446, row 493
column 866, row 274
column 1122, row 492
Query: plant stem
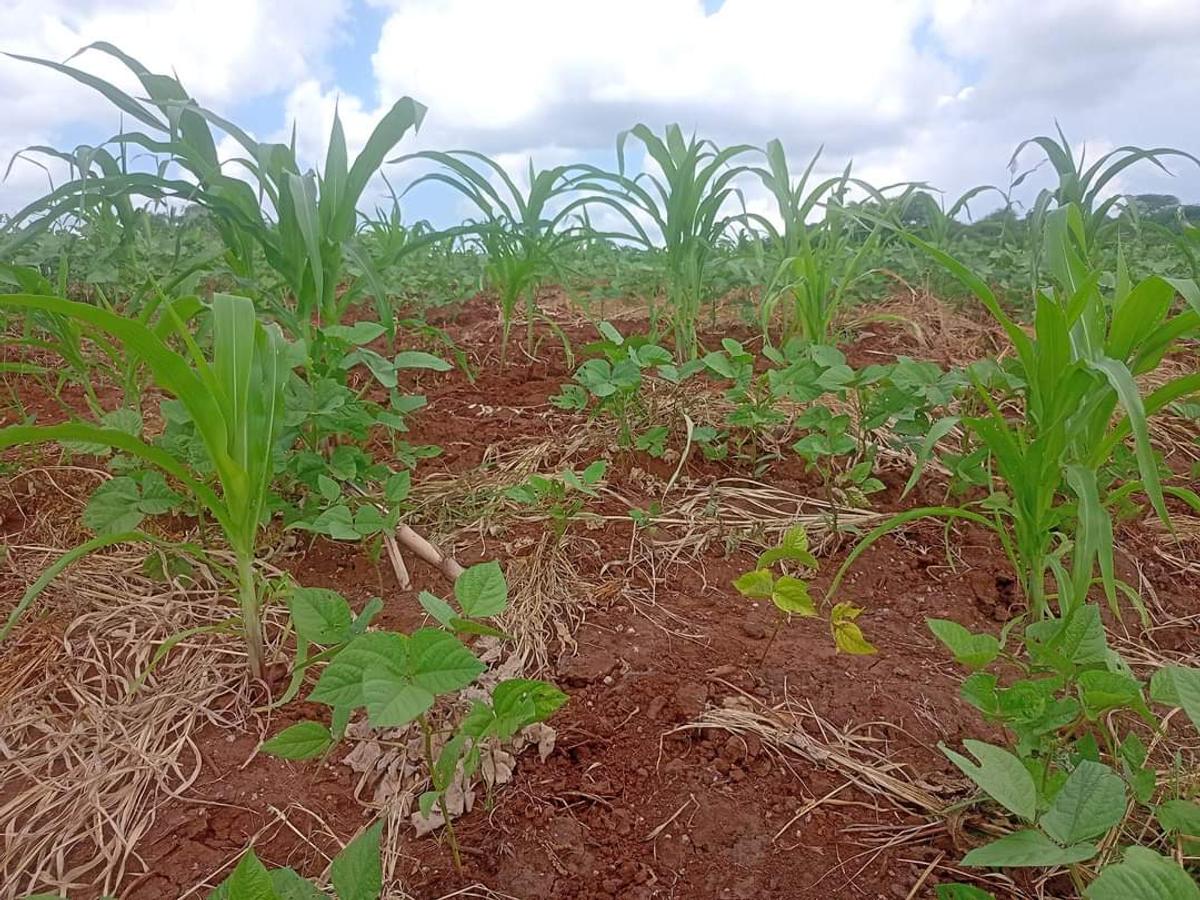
column 427, row 732
column 251, row 620
column 778, row 625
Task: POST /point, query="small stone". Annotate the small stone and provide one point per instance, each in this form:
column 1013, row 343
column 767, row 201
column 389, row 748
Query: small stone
column 754, row 630
column 690, row 699
column 655, row 708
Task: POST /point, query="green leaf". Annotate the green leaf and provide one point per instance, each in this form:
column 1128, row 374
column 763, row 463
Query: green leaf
column 249, row 880
column 321, row 616
column 518, row 702
column 304, row 740
column 1143, row 875
column 289, row 885
column 415, row 359
column 794, row 546
column 330, row 489
column 1180, row 817
column 391, row 697
column 757, row 584
column 962, row 892
column 157, row 497
column 791, row 595
column 846, row 634
column 337, row 522
column 397, row 487
column 1100, row 691
column 1091, row 802
column 971, row 650
column 341, row 682
column 356, row 872
column 1178, row 686
column 440, row 663
column 1001, row 776
column 441, row 611
column 113, row 507
column 1027, row 848
column 357, row 334
column 481, row 590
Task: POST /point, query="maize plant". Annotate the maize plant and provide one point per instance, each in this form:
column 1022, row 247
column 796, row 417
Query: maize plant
column 816, row 263
column 686, row 204
column 312, row 217
column 235, row 401
column 523, row 234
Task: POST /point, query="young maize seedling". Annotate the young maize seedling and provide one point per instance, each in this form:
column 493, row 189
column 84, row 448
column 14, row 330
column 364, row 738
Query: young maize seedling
column 235, row 402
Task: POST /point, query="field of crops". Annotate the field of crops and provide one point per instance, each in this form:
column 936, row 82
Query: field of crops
column 628, row 540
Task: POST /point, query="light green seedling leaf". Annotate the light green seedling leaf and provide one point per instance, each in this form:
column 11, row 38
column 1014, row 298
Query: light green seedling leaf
column 441, row 611
column 794, row 546
column 791, row 595
column 337, row 522
column 440, row 663
column 610, row 333
column 321, row 616
column 1178, row 686
column 1000, row 775
column 304, row 740
column 971, row 650
column 120, row 504
column 473, row 626
column 357, row 334
column 356, row 872
column 1143, row 875
column 113, row 507
column 382, row 368
column 1181, row 817
column 757, row 584
column 396, row 488
column 157, row 497
column 1027, row 848
column 594, row 472
column 846, row 633
column 481, row 590
column 519, row 702
column 1090, row 802
column 415, row 359
column 329, row 489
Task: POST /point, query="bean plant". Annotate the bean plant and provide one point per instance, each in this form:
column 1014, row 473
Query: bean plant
column 356, row 874
column 1077, row 772
column 398, row 678
column 791, row 595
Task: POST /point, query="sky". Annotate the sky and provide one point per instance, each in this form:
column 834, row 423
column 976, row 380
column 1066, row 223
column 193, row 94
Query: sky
column 939, row 91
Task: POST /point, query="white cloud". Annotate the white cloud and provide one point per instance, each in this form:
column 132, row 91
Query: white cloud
column 222, row 50
column 928, row 90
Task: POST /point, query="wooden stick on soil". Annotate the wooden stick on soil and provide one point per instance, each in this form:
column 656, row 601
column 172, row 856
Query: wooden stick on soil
column 408, row 539
column 421, row 548
column 401, row 570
